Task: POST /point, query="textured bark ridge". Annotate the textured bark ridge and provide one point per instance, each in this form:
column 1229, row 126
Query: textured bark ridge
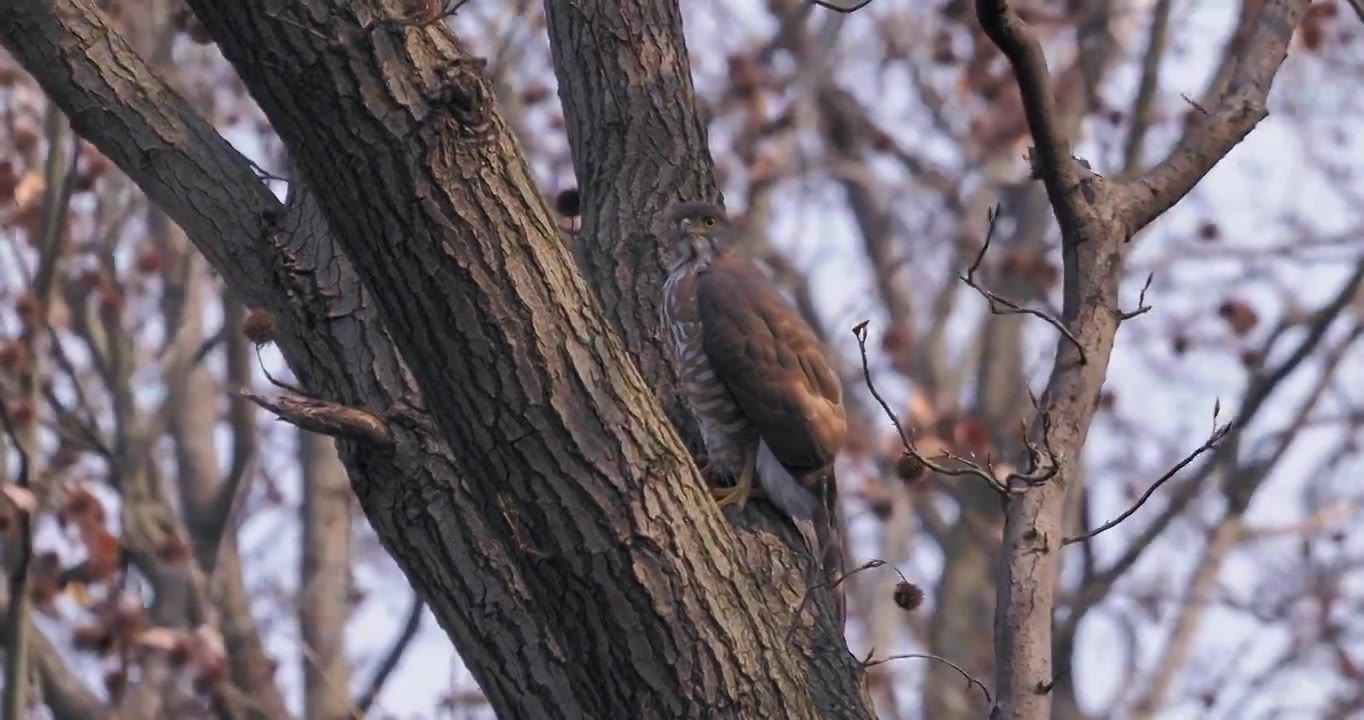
column 534, row 492
column 578, row 563
column 638, row 145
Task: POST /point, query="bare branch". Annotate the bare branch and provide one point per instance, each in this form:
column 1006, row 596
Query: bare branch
column 223, row 511
column 1256, row 398
column 1201, row 586
column 970, row 679
column 843, row 6
column 17, row 624
column 1146, row 89
column 1217, row 436
column 1011, row 307
column 1051, row 158
column 65, row 695
column 327, row 418
column 1211, row 137
column 277, row 383
column 1042, row 462
column 1195, row 104
column 1142, row 307
column 325, row 582
column 333, row 685
column 56, row 199
column 1327, row 518
column 391, row 658
column 199, row 179
column 831, row 584
column 1092, row 233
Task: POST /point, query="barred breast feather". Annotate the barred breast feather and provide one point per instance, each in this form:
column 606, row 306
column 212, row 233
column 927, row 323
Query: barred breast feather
column 725, row 430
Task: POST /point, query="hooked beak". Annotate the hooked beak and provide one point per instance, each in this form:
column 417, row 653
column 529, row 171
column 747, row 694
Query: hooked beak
column 686, row 224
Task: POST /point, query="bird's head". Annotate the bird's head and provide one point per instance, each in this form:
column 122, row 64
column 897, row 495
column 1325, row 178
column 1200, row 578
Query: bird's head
column 702, row 233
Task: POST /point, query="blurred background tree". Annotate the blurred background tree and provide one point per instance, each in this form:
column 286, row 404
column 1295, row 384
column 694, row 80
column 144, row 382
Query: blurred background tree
column 862, row 154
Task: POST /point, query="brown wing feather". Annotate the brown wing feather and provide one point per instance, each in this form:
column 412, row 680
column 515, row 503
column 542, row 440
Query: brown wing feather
column 772, row 363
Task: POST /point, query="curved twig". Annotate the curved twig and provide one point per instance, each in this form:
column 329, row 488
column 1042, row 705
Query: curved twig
column 1217, row 436
column 1009, row 307
column 842, row 6
column 1043, row 465
column 392, row 657
column 970, row 679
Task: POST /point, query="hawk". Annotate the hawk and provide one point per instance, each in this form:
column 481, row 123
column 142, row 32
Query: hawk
column 757, row 379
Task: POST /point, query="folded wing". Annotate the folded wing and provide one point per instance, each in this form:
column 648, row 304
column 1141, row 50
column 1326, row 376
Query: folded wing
column 772, row 363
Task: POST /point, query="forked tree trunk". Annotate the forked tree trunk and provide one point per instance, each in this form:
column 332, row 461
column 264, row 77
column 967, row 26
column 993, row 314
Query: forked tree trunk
column 560, row 532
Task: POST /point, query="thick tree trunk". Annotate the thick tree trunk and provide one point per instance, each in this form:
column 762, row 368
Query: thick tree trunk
column 565, row 444
column 638, row 145
column 563, row 539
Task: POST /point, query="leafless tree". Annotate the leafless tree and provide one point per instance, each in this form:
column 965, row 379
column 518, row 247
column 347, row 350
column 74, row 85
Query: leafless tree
column 460, row 287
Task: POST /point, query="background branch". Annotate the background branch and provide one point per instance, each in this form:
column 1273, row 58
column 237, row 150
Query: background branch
column 1212, row 136
column 392, row 657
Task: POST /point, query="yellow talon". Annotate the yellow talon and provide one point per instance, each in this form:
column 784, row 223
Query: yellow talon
column 740, row 493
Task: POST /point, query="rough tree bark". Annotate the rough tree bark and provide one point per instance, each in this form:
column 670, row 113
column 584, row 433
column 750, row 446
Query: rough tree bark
column 560, row 534
column 639, row 144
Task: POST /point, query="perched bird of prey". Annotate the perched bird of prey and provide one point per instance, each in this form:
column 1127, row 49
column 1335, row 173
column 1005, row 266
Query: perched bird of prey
column 756, row 377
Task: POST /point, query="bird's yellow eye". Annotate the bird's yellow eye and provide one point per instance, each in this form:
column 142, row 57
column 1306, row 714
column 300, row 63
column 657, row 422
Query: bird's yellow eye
column 708, row 221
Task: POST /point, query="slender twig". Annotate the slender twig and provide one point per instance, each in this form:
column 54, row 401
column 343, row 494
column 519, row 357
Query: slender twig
column 1216, row 131
column 236, row 485
column 1042, row 462
column 1142, row 307
column 1320, row 521
column 1358, row 7
column 1009, row 307
column 860, row 330
column 8, row 423
column 392, row 657
column 233, row 512
column 831, row 584
column 970, row 679
column 1217, row 436
column 1146, row 89
column 88, row 424
column 67, row 419
column 843, row 6
column 278, row 383
column 1194, row 104
column 264, row 174
column 1262, row 389
column 207, row 346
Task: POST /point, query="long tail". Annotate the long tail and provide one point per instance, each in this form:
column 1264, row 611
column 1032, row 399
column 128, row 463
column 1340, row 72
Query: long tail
column 811, row 501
